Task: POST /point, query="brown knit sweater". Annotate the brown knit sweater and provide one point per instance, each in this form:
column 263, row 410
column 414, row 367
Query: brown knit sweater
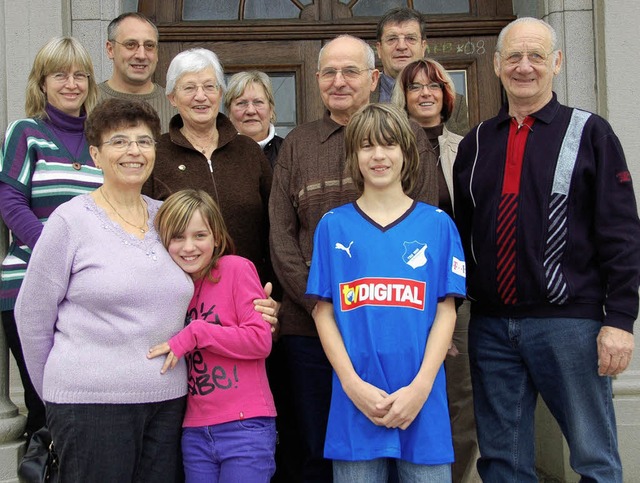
column 240, row 183
column 309, row 179
column 157, row 99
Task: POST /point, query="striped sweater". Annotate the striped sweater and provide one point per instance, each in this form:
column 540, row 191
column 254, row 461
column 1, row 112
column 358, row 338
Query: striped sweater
column 34, row 162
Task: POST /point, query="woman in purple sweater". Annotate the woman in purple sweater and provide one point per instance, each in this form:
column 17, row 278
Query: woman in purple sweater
column 44, row 162
column 99, row 291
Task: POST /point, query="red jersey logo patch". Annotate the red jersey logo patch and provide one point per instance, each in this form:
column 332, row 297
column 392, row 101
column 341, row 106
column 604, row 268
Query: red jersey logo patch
column 383, row 292
column 623, row 177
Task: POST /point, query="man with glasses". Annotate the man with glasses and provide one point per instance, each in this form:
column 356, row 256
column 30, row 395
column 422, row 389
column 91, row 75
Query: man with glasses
column 133, row 46
column 308, row 181
column 548, row 219
column 401, row 38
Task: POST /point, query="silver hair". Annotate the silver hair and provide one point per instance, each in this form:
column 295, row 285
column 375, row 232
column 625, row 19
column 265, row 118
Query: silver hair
column 194, row 60
column 371, row 57
column 506, row 29
column 239, row 82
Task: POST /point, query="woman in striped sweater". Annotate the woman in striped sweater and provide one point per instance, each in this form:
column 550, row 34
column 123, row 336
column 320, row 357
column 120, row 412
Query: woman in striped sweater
column 44, row 162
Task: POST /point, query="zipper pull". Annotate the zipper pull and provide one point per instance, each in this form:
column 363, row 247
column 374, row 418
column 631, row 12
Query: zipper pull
column 210, row 165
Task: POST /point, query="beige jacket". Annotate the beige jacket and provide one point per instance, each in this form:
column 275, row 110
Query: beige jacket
column 448, row 142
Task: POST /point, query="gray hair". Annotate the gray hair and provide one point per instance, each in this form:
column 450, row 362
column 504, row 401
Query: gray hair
column 240, row 81
column 371, row 57
column 194, row 60
column 505, row 31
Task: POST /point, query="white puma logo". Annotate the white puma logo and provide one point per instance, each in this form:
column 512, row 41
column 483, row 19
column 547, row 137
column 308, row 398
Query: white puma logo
column 340, row 246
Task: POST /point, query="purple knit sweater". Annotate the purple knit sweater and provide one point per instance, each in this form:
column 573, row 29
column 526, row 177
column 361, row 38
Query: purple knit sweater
column 93, row 301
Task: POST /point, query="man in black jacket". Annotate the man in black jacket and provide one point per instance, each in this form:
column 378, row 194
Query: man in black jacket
column 547, row 213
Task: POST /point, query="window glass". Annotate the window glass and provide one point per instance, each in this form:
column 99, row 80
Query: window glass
column 253, row 9
column 129, row 5
column 366, row 8
column 284, row 92
column 442, row 6
column 207, row 10
column 256, row 9
column 459, row 78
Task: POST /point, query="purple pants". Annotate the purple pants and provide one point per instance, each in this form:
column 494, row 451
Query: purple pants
column 237, row 451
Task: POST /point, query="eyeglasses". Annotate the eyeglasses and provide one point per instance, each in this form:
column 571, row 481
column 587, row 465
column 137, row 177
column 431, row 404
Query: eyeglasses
column 133, row 45
column 392, row 40
column 348, row 73
column 257, row 104
column 192, row 89
column 535, row 57
column 121, row 143
column 431, row 86
column 62, row 77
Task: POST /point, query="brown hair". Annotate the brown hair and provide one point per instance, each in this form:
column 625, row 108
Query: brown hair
column 402, row 15
column 112, row 114
column 435, row 72
column 382, row 124
column 175, row 214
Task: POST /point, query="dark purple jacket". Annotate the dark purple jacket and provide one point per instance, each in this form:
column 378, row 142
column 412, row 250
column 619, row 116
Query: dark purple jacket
column 575, row 177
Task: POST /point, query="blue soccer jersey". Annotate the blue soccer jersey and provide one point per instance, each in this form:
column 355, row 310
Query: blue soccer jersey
column 385, row 284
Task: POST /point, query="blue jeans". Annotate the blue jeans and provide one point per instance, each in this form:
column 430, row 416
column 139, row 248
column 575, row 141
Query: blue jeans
column 514, row 360
column 377, row 471
column 117, row 442
column 238, row 451
column 311, row 376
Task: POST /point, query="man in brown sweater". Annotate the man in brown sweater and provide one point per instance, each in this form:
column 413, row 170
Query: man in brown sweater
column 132, row 45
column 308, row 181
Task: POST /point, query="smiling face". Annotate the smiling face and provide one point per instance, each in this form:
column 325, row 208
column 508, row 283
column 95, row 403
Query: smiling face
column 67, row 95
column 251, row 113
column 192, row 250
column 424, row 104
column 133, row 69
column 128, row 167
column 400, row 44
column 344, row 96
column 529, row 85
column 380, row 165
column 199, row 108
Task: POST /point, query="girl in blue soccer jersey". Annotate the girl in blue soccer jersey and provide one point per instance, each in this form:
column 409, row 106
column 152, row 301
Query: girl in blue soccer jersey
column 385, row 271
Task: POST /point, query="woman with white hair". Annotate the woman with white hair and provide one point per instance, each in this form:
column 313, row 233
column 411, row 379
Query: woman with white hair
column 203, row 150
column 251, row 107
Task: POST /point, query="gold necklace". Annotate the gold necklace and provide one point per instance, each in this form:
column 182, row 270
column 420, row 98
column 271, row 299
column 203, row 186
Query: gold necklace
column 143, row 229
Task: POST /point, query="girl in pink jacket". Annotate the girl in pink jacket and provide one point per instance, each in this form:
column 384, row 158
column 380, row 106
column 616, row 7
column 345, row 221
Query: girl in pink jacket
column 229, row 427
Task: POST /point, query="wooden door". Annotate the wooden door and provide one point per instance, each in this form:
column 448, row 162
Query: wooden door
column 284, row 37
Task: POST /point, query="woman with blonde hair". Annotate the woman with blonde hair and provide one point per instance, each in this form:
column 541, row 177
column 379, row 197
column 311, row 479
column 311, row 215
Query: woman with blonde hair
column 44, row 162
column 251, row 107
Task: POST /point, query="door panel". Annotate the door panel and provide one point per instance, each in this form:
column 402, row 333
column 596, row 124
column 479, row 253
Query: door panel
column 290, row 46
column 273, row 57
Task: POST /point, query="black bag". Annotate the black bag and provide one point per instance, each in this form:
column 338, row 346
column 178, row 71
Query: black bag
column 40, row 463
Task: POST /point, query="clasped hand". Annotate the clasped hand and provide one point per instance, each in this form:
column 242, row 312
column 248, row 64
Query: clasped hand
column 396, row 410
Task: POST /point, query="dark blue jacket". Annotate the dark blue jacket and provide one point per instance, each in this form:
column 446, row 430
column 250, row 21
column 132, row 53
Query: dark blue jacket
column 600, row 262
